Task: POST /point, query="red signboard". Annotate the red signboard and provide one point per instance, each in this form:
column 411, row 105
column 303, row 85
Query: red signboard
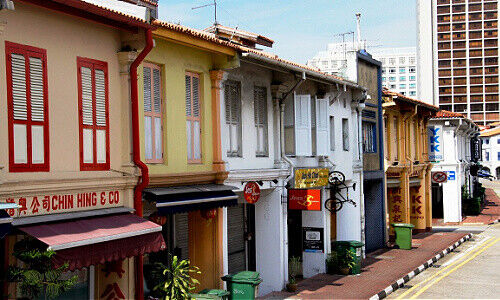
column 251, row 192
column 304, row 199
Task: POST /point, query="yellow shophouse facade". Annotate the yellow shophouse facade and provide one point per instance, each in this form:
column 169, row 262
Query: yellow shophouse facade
column 407, row 165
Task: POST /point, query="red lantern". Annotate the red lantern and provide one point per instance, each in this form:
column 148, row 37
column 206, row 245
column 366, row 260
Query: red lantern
column 209, row 213
column 160, row 220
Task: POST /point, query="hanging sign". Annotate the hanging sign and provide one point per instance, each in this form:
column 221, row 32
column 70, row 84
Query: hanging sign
column 251, row 192
column 451, row 175
column 435, row 143
column 439, row 177
column 304, row 199
column 476, row 149
column 311, row 178
column 312, row 239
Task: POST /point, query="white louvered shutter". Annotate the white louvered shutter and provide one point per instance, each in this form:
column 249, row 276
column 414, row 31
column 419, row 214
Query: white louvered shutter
column 158, row 136
column 148, row 130
column 322, row 130
column 193, row 117
column 303, row 141
column 232, row 95
column 260, row 119
column 28, row 104
column 196, row 119
column 87, row 114
column 100, row 115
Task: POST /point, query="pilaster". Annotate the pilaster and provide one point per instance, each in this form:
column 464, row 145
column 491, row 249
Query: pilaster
column 216, row 77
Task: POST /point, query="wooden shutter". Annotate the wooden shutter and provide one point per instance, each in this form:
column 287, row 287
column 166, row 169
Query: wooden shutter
column 303, row 141
column 232, row 96
column 153, row 113
column 27, row 108
column 193, row 117
column 322, row 128
column 260, row 119
column 94, row 115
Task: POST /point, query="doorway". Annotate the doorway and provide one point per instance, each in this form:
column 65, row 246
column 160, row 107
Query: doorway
column 437, row 201
column 241, row 238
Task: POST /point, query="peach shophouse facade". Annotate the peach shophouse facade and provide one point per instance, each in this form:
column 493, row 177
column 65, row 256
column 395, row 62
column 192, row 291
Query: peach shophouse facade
column 66, row 160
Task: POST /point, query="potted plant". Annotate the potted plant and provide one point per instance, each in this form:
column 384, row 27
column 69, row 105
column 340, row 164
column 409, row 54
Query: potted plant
column 332, row 263
column 294, row 267
column 37, row 278
column 177, row 282
column 345, row 260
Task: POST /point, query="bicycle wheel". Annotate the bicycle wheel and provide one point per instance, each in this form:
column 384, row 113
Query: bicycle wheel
column 333, row 205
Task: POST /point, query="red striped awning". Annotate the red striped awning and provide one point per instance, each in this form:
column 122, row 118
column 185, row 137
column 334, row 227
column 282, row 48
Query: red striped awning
column 85, row 242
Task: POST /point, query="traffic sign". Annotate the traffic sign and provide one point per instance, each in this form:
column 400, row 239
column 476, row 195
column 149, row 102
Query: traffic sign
column 439, row 177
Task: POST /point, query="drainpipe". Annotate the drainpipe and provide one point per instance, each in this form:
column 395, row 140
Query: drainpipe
column 136, row 149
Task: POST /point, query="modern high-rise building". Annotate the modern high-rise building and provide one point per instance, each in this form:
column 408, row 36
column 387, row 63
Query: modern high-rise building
column 399, row 69
column 458, row 56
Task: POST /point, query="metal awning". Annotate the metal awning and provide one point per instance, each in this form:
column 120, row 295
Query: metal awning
column 180, row 199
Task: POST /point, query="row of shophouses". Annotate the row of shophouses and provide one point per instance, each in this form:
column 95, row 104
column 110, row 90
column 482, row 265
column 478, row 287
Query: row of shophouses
column 127, row 138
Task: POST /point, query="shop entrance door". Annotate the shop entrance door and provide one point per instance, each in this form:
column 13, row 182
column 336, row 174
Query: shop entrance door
column 295, row 233
column 241, row 238
column 437, row 201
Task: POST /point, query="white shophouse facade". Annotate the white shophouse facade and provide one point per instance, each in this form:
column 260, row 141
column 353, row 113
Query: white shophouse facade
column 251, row 145
column 452, row 135
column 491, row 150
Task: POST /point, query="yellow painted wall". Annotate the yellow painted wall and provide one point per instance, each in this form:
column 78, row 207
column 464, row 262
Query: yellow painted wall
column 175, row 60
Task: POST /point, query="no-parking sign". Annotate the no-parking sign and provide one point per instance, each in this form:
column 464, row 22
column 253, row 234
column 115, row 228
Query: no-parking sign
column 439, row 177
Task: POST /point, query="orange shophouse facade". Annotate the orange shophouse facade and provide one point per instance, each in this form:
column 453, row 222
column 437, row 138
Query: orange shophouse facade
column 66, row 159
column 408, row 169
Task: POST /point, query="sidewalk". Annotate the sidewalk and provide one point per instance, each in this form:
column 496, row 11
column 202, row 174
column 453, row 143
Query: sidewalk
column 380, row 269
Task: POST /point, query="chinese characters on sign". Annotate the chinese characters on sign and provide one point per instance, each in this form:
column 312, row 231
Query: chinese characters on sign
column 304, row 199
column 396, row 205
column 52, row 204
column 311, row 178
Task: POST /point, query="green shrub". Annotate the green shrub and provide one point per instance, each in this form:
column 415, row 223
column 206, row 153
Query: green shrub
column 177, row 282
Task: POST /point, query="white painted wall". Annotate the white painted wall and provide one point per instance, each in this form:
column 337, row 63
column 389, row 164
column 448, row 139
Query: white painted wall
column 425, row 51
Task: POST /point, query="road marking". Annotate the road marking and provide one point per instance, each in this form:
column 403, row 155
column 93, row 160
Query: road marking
column 466, row 251
column 455, row 268
column 461, row 255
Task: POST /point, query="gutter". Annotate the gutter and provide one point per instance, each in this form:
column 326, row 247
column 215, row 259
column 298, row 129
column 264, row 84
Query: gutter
column 136, row 149
column 310, row 73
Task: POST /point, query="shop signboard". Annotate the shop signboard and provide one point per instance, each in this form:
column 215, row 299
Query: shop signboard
column 304, row 199
column 312, row 239
column 417, row 205
column 251, row 192
column 435, row 143
column 311, row 178
column 396, row 206
column 45, row 204
column 476, row 149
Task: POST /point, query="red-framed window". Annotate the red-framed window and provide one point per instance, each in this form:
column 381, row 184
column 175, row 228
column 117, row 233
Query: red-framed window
column 28, row 114
column 193, row 117
column 93, row 106
column 153, row 111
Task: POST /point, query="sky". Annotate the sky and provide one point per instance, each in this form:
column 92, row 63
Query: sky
column 302, row 28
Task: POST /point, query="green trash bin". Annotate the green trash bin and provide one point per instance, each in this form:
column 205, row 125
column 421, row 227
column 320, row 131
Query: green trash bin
column 403, row 235
column 243, row 285
column 219, row 294
column 354, row 247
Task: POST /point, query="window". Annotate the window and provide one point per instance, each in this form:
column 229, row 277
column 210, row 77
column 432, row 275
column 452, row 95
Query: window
column 402, row 60
column 498, row 141
column 402, row 86
column 392, row 78
column 303, row 126
column 487, row 156
column 383, row 79
column 412, row 69
column 322, row 127
column 392, row 60
column 153, row 113
column 412, row 60
column 392, row 70
column 392, row 86
column 413, row 93
column 498, row 156
column 260, row 117
column 193, row 117
column 332, row 133
column 345, row 134
column 413, row 85
column 487, row 141
column 27, row 108
column 402, row 70
column 369, row 137
column 93, row 106
column 383, row 71
column 232, row 96
column 412, row 78
column 402, row 78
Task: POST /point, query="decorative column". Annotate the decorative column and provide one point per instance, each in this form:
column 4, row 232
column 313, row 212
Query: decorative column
column 218, row 164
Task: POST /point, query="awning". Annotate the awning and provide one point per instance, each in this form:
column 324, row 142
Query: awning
column 5, row 218
column 190, row 198
column 85, row 242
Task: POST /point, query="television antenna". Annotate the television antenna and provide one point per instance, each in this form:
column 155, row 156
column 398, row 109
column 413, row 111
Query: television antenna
column 214, row 4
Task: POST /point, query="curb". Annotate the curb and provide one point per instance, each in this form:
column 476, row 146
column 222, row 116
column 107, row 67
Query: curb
column 494, row 222
column 400, row 282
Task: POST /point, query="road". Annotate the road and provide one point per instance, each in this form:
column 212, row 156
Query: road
column 471, row 271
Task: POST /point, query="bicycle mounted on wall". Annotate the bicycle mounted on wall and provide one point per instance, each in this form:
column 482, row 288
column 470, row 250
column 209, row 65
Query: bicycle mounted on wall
column 337, row 184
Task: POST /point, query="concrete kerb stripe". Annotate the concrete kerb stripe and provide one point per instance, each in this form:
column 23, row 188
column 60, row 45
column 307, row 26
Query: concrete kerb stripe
column 400, row 282
column 494, row 222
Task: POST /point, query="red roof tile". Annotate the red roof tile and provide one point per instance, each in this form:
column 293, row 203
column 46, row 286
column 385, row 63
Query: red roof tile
column 389, row 93
column 445, row 114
